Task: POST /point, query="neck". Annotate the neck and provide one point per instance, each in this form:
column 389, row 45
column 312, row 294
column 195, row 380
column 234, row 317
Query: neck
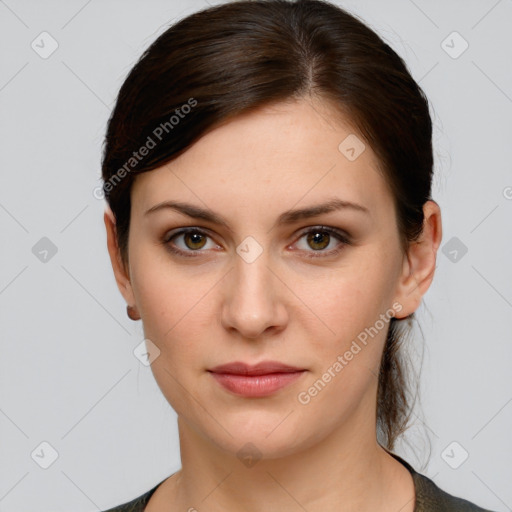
column 346, row 471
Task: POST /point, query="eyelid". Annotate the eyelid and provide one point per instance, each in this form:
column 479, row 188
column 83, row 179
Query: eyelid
column 332, row 230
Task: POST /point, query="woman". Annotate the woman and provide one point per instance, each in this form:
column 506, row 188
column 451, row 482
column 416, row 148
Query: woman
column 284, row 235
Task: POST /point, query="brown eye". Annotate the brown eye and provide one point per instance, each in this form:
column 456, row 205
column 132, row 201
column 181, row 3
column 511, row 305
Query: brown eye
column 320, row 239
column 317, row 239
column 188, row 242
column 194, row 240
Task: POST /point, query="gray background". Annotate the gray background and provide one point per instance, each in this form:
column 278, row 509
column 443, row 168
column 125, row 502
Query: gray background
column 68, row 376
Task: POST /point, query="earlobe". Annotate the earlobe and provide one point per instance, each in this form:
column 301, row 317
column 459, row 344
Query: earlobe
column 120, row 272
column 419, row 263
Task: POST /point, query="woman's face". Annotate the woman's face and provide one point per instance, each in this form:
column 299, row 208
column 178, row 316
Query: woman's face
column 267, row 284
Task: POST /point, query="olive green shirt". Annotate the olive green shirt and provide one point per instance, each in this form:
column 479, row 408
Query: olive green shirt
column 429, row 497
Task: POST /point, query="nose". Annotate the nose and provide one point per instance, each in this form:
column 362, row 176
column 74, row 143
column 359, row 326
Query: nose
column 253, row 300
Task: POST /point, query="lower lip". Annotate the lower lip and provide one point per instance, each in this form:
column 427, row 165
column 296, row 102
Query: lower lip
column 256, row 385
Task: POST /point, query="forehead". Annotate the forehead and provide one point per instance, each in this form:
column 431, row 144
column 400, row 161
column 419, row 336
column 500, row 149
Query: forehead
column 281, row 155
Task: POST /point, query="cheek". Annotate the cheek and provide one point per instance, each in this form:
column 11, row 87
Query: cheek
column 165, row 293
column 175, row 313
column 173, row 304
column 352, row 299
column 347, row 361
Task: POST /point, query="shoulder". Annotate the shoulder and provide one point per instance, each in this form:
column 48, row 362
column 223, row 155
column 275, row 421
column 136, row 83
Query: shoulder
column 136, row 505
column 429, row 497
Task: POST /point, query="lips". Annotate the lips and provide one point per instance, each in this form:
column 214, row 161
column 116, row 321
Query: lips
column 263, row 368
column 255, row 381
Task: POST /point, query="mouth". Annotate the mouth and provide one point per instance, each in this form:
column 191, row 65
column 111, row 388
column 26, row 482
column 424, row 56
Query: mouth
column 263, row 379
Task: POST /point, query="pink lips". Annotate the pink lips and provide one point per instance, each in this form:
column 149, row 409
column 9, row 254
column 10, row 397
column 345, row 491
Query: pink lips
column 259, row 380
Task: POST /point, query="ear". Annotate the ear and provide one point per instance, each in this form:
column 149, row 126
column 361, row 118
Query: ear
column 120, row 272
column 419, row 263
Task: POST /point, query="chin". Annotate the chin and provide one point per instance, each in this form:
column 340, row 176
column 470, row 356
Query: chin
column 262, row 438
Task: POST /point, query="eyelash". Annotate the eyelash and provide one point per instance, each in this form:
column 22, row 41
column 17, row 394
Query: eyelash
column 340, row 235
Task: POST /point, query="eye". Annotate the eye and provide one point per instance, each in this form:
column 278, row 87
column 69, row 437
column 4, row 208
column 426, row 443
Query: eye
column 318, row 238
column 321, row 237
column 193, row 238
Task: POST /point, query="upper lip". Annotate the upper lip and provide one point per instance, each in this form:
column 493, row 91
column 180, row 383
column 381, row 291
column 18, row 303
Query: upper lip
column 263, row 368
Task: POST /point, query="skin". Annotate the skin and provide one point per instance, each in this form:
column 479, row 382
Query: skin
column 217, row 308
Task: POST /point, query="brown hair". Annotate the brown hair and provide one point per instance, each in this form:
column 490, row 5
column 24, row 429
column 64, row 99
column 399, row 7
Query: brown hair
column 229, row 59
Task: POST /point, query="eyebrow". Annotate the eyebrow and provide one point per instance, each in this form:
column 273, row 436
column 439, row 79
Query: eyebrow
column 287, row 217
